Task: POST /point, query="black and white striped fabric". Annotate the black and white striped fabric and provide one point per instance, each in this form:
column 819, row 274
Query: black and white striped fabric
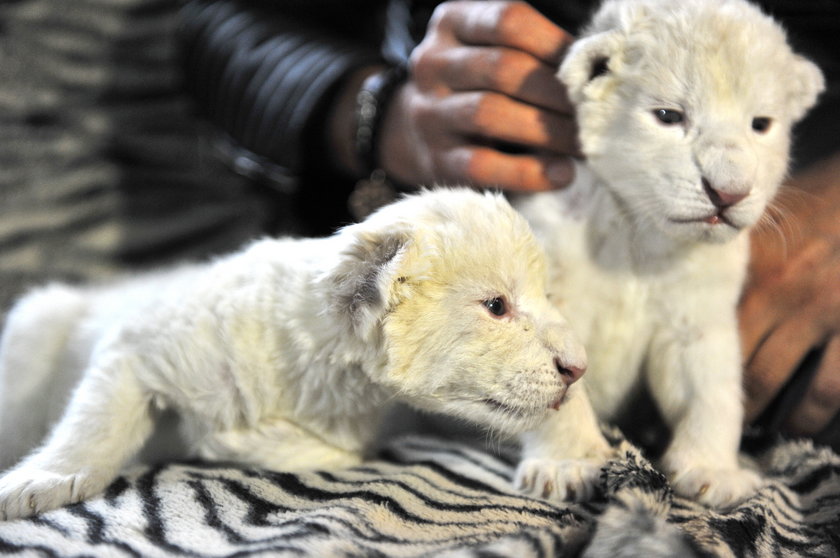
column 430, row 497
column 102, row 166
column 101, row 169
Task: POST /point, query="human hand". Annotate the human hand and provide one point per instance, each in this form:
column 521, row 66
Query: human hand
column 483, row 78
column 791, row 304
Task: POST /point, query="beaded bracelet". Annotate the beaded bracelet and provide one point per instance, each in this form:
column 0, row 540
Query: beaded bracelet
column 371, row 102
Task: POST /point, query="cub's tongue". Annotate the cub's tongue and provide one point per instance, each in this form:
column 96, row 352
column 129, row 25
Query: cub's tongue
column 557, row 402
column 713, row 220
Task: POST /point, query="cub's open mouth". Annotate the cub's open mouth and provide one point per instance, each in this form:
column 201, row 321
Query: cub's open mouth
column 718, row 219
column 559, row 401
column 714, row 219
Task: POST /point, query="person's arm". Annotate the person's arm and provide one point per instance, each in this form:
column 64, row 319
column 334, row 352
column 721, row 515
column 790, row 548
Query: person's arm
column 481, row 105
column 267, row 77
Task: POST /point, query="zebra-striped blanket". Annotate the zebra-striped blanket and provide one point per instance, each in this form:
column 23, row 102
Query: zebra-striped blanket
column 95, row 127
column 429, row 497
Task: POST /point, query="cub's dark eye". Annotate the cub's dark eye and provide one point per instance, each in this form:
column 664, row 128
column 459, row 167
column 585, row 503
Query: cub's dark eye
column 496, row 306
column 668, row 116
column 761, row 124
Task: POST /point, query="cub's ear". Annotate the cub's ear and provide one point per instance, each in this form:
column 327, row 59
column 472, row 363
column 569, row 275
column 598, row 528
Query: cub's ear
column 588, row 59
column 806, row 85
column 363, row 283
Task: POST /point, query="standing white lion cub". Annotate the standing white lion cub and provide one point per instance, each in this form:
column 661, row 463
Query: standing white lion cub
column 285, row 355
column 685, row 109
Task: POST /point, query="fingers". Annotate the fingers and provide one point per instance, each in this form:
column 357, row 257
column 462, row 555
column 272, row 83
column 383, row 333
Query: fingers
column 482, row 166
column 788, row 309
column 451, row 141
column 511, row 24
column 775, row 361
column 483, row 78
column 822, row 400
column 507, row 71
column 757, row 317
column 500, row 118
column 507, row 47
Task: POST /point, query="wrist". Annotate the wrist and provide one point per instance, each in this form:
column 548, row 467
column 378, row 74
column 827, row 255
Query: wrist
column 356, row 118
column 342, row 123
column 372, row 103
column 374, row 97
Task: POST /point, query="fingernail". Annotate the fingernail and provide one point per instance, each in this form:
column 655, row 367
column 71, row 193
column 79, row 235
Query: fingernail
column 561, row 173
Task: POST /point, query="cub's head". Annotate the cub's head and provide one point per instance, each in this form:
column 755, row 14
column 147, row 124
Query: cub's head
column 449, row 284
column 685, row 110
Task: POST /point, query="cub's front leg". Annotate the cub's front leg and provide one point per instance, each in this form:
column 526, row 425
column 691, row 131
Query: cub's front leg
column 563, row 457
column 695, row 378
column 107, row 420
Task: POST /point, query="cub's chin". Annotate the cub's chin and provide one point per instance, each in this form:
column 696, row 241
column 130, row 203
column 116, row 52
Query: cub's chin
column 502, row 415
column 715, row 232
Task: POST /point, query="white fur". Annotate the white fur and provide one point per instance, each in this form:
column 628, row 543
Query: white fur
column 650, row 286
column 286, row 354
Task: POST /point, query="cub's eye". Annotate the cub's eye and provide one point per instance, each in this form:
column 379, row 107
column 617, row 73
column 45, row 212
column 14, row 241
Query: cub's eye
column 668, row 116
column 496, row 306
column 761, row 124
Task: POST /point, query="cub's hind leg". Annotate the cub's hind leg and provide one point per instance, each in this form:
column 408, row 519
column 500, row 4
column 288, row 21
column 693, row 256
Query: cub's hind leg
column 108, row 418
column 35, row 378
column 278, row 445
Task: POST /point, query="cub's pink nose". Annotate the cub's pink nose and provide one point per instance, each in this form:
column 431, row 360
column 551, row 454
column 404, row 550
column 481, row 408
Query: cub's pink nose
column 721, row 199
column 569, row 374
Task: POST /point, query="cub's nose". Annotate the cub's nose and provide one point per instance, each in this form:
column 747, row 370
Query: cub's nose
column 721, row 199
column 568, row 373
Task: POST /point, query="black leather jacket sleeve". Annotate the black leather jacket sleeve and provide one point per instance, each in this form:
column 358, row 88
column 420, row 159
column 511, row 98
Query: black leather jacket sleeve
column 263, row 75
column 263, row 72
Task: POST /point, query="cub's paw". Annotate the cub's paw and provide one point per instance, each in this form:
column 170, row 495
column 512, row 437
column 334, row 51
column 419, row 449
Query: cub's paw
column 571, row 480
column 720, row 488
column 27, row 491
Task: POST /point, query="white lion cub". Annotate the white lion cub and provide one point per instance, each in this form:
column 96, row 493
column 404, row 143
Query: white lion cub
column 685, row 110
column 284, row 355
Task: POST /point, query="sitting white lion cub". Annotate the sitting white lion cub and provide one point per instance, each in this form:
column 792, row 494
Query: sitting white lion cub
column 685, row 110
column 285, row 355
